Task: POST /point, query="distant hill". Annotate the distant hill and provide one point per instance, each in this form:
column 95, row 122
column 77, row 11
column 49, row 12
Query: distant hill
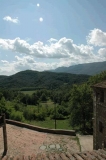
column 32, row 79
column 86, row 68
column 2, row 77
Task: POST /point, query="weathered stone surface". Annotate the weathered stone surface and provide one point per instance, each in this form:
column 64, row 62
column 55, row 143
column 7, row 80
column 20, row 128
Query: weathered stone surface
column 22, row 141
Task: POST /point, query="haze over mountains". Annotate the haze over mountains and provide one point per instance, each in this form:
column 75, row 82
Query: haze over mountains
column 86, row 68
column 65, row 75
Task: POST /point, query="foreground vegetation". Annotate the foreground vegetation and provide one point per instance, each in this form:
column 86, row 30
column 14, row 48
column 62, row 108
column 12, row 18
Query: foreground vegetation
column 71, row 106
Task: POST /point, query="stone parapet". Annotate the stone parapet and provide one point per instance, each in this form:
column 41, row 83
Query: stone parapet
column 40, row 129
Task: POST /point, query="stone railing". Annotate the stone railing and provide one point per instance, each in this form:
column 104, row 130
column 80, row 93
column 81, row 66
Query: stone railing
column 40, row 129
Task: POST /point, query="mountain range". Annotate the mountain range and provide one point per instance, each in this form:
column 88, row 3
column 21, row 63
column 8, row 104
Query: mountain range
column 52, row 79
column 86, row 68
column 28, row 80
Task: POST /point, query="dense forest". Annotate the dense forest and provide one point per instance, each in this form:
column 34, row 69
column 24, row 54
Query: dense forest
column 28, row 80
column 73, row 103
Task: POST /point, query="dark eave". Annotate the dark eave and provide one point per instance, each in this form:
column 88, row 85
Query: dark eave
column 100, row 85
column 87, row 155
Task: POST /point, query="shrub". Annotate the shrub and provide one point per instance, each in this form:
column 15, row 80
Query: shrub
column 29, row 113
column 16, row 115
column 40, row 116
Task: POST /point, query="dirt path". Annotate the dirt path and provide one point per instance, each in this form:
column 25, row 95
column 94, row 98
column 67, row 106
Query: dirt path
column 25, row 141
column 86, row 142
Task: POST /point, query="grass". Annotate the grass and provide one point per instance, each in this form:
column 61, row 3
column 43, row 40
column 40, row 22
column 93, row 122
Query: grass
column 78, row 142
column 76, row 138
column 49, row 103
column 48, row 123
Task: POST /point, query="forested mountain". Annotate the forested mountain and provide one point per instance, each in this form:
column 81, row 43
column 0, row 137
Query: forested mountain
column 2, row 77
column 33, row 79
column 86, row 68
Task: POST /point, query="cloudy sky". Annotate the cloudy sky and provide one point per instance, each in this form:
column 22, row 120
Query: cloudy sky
column 46, row 34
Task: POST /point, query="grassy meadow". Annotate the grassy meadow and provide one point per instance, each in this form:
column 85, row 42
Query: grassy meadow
column 49, row 123
column 28, row 92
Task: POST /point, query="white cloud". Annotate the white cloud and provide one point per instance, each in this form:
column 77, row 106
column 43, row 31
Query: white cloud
column 29, row 62
column 62, row 52
column 4, row 61
column 13, row 20
column 41, row 19
column 24, row 63
column 63, row 48
column 38, row 4
column 102, row 52
column 52, row 40
column 97, row 37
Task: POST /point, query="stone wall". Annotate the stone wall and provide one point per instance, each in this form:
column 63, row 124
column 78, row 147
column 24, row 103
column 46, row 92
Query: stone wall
column 99, row 137
column 40, row 129
column 94, row 121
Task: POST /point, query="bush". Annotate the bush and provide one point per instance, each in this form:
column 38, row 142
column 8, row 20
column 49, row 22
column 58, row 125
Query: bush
column 17, row 107
column 58, row 116
column 29, row 113
column 43, row 97
column 18, row 116
column 40, row 116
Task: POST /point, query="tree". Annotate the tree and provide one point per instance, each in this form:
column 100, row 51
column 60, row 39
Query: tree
column 81, row 106
column 34, row 99
column 43, row 97
column 29, row 113
column 1, row 95
column 2, row 105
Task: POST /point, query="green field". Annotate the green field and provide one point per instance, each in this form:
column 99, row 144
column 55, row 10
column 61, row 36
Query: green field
column 43, row 104
column 48, row 123
column 49, row 103
column 28, row 92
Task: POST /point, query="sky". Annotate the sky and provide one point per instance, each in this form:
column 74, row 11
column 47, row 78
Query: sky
column 47, row 34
